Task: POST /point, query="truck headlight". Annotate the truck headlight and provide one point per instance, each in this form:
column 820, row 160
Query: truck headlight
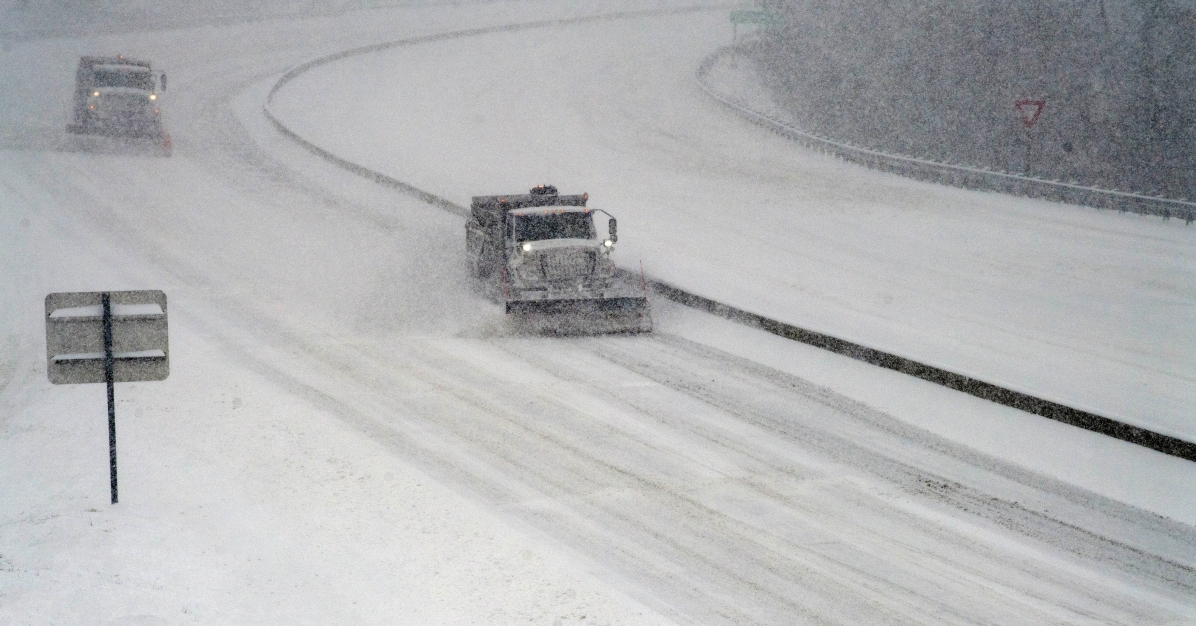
column 95, row 94
column 527, row 247
column 153, row 96
column 608, row 243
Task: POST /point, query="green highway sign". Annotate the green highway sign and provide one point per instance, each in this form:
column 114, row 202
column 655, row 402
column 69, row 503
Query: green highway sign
column 753, row 16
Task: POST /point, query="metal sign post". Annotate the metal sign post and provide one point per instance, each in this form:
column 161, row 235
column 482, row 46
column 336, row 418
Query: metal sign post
column 1029, row 110
column 106, row 302
column 108, row 337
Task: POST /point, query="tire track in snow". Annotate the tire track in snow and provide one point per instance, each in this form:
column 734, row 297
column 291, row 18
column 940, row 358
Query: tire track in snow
column 519, row 456
column 717, row 440
column 534, row 439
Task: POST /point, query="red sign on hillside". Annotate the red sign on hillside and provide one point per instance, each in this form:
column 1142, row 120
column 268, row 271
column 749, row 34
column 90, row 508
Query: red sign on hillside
column 1030, row 110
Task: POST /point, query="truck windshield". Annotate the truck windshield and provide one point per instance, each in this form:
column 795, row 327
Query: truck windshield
column 134, row 79
column 567, row 225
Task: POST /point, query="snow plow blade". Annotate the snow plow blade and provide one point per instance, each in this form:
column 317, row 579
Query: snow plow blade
column 582, row 316
column 85, row 140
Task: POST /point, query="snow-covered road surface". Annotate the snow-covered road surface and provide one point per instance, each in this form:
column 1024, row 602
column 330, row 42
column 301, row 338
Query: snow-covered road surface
column 350, row 436
column 1089, row 309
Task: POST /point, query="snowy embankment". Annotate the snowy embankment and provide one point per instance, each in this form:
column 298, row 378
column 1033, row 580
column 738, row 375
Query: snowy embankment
column 1085, row 308
column 724, row 76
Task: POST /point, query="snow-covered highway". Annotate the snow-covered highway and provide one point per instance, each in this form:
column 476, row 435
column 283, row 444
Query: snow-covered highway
column 1066, row 303
column 350, row 436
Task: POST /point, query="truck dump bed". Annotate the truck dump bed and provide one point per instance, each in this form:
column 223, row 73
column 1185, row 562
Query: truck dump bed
column 488, row 210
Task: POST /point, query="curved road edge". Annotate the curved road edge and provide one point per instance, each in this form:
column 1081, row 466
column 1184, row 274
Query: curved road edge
column 994, row 393
column 965, row 176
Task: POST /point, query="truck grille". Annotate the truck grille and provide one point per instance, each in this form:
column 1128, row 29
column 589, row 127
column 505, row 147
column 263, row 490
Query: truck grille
column 559, row 264
column 124, row 105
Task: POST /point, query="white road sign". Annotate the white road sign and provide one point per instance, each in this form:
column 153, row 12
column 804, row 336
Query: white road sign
column 75, row 337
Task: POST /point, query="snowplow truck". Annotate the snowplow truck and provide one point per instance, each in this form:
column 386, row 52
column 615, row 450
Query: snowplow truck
column 118, row 97
column 540, row 254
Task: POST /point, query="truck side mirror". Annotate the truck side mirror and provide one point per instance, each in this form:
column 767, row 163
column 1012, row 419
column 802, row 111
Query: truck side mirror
column 614, row 237
column 163, row 83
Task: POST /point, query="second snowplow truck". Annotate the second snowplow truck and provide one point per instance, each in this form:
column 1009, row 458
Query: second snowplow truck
column 118, row 97
column 541, row 255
